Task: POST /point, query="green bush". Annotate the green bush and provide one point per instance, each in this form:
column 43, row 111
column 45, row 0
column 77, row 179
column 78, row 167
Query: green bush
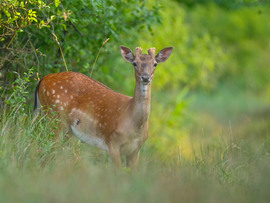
column 195, row 58
column 244, row 36
column 227, row 4
column 80, row 26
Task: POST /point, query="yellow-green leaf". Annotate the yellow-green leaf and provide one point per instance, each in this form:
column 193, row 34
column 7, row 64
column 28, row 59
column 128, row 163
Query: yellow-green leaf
column 57, row 3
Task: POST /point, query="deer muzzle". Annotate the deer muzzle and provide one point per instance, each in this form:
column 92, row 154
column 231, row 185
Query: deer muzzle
column 146, row 79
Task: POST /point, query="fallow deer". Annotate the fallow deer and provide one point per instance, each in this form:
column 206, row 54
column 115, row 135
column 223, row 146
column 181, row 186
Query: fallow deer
column 100, row 116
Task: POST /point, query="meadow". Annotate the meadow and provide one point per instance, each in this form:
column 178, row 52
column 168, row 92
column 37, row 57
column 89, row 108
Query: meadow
column 210, row 116
column 229, row 162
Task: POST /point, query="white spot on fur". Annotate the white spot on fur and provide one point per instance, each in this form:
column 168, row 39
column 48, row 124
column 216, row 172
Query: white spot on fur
column 54, row 83
column 61, row 108
column 53, row 91
column 61, row 87
column 57, row 101
column 65, row 91
column 58, row 96
column 48, row 93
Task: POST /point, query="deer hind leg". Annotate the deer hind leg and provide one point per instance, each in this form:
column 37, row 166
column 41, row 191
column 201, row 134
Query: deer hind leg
column 60, row 128
column 132, row 160
column 63, row 129
column 115, row 156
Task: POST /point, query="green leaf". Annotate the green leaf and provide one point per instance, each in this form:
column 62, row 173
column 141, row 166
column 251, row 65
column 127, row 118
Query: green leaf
column 64, row 26
column 7, row 13
column 20, row 30
column 22, row 5
column 53, row 17
column 57, row 3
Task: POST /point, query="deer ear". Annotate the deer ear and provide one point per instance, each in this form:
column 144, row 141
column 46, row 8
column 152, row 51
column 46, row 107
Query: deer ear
column 127, row 54
column 164, row 54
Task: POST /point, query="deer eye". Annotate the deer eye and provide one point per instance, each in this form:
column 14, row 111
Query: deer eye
column 155, row 64
column 134, row 64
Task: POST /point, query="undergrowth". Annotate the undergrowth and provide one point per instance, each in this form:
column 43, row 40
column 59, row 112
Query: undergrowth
column 37, row 166
column 227, row 163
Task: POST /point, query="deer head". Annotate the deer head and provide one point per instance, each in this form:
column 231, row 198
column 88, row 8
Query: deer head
column 145, row 64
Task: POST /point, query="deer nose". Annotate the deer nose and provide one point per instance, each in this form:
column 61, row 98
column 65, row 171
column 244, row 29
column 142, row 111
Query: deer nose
column 145, row 78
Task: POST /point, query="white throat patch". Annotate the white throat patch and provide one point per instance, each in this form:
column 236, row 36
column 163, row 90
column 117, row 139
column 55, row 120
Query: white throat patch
column 144, row 89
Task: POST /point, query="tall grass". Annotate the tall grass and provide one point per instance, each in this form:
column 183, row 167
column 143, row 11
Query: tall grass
column 35, row 166
column 229, row 163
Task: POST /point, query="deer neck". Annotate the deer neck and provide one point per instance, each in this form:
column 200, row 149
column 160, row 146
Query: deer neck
column 141, row 103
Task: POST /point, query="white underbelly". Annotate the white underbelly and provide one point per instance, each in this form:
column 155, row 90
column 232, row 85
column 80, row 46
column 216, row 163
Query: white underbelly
column 91, row 140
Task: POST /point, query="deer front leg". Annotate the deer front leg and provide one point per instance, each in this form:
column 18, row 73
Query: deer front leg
column 114, row 153
column 132, row 160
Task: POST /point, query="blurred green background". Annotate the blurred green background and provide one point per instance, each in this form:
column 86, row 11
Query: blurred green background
column 210, row 114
